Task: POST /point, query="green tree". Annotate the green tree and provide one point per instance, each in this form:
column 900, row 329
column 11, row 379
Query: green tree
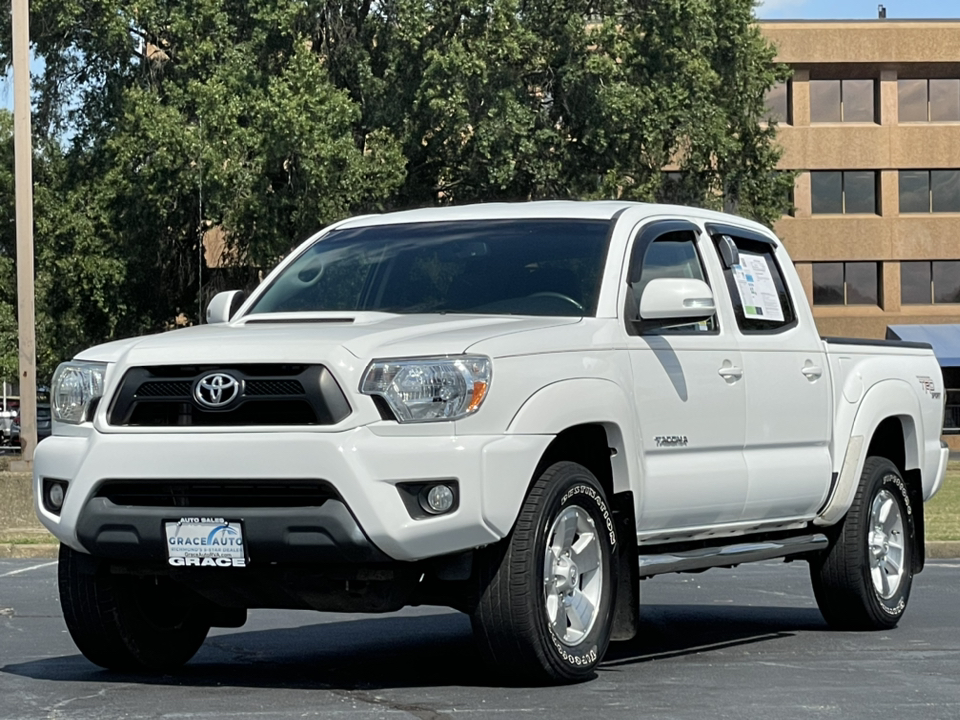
column 267, row 119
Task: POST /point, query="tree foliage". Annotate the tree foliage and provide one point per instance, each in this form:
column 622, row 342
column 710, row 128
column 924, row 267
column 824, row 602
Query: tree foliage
column 157, row 120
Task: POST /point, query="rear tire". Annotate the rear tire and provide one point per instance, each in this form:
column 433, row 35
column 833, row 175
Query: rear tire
column 863, row 581
column 546, row 593
column 124, row 622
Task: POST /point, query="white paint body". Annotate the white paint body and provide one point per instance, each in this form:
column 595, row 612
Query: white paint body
column 768, row 419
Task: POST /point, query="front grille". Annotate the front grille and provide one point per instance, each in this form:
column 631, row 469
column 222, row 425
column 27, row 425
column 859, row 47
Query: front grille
column 217, row 494
column 174, row 388
column 166, row 396
column 274, row 387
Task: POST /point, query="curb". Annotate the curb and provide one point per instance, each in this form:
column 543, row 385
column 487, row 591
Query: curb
column 936, row 550
column 943, row 549
column 40, row 551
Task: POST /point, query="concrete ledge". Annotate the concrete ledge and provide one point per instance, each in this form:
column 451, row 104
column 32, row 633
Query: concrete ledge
column 26, row 550
column 940, row 549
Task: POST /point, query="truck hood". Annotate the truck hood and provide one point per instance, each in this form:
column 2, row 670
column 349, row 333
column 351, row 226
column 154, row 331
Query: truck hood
column 315, row 337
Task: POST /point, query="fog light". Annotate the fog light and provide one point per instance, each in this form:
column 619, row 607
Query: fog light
column 54, row 492
column 437, row 499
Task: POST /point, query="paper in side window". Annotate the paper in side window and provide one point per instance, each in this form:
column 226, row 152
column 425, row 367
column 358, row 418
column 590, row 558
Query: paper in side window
column 758, row 292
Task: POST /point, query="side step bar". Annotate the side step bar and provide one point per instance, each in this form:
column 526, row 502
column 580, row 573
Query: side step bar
column 728, row 555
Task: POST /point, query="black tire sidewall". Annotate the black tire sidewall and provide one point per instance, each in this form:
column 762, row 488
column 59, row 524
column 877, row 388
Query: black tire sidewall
column 887, row 477
column 574, row 485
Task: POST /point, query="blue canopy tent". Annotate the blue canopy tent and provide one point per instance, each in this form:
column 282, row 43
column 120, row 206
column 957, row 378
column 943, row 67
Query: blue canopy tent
column 945, row 340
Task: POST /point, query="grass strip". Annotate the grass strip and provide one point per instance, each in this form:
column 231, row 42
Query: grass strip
column 942, row 513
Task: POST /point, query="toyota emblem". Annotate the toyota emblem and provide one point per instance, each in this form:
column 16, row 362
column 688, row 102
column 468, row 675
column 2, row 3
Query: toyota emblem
column 217, row 390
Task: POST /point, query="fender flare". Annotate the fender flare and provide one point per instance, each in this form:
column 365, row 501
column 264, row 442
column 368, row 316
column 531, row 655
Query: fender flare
column 886, row 399
column 597, row 401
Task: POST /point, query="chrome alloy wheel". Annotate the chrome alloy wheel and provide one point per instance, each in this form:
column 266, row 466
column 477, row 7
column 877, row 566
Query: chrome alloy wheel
column 886, row 544
column 572, row 575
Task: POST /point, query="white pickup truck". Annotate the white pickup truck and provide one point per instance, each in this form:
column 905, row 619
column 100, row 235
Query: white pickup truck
column 515, row 410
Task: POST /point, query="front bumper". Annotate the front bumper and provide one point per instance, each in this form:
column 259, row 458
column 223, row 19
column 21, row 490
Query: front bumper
column 368, row 522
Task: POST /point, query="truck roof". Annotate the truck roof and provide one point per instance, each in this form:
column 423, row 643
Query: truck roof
column 573, row 209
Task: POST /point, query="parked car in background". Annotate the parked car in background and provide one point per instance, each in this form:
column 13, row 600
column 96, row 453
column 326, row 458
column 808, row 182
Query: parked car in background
column 6, row 427
column 43, row 421
column 43, row 425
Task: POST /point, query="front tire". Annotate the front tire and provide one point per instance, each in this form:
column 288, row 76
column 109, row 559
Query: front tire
column 124, row 622
column 546, row 594
column 863, row 582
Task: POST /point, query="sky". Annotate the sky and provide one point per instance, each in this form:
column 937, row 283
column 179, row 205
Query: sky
column 857, row 9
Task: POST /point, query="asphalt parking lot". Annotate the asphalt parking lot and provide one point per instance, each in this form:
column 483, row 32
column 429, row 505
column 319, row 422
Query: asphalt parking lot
column 743, row 643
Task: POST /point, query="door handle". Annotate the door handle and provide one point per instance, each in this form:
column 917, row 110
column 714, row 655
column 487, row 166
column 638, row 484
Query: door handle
column 812, row 372
column 730, row 373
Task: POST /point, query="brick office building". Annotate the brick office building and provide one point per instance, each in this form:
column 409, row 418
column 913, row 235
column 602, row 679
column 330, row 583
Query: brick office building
column 871, row 119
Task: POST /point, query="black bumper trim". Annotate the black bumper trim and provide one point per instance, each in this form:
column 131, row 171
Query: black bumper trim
column 328, row 534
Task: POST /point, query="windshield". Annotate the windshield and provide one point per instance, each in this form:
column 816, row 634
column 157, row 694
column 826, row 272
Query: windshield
column 521, row 267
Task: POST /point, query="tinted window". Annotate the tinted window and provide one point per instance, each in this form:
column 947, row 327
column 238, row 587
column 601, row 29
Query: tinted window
column 827, row 191
column 858, row 101
column 945, row 188
column 825, row 101
column 914, row 191
column 859, row 192
column 835, row 192
column 778, row 103
column 915, row 283
column 944, row 100
column 946, row 281
column 862, row 283
column 828, row 283
column 912, row 100
column 852, row 283
column 760, row 299
column 674, row 255
column 523, row 267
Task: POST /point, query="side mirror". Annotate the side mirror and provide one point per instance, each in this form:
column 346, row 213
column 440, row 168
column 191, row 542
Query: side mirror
column 669, row 302
column 223, row 306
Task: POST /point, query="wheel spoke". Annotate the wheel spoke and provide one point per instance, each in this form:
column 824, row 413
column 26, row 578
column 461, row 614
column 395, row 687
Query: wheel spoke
column 884, row 580
column 558, row 617
column 569, row 528
column 882, row 508
column 890, row 516
column 586, row 553
column 891, row 566
column 580, row 611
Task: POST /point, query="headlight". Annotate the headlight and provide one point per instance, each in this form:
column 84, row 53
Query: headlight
column 76, row 386
column 429, row 389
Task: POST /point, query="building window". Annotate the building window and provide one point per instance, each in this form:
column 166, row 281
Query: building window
column 778, row 100
column 846, row 283
column 929, row 100
column 928, row 282
column 925, row 191
column 849, row 192
column 842, row 101
column 951, row 412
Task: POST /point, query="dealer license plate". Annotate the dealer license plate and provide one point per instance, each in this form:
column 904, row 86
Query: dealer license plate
column 205, row 542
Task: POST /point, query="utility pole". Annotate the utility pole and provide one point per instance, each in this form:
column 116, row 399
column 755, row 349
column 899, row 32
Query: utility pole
column 23, row 168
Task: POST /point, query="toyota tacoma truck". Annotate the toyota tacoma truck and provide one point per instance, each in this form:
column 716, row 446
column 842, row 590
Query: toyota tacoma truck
column 519, row 411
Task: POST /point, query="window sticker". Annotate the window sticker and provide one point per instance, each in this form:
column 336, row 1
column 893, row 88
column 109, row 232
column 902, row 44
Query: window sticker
column 758, row 293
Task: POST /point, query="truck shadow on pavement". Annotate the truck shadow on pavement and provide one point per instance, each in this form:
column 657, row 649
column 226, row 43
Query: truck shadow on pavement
column 425, row 650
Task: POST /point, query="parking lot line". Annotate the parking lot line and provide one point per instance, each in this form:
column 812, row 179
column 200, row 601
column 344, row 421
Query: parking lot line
column 28, row 569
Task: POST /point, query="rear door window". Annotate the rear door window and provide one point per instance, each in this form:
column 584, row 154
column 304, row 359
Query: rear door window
column 761, row 301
